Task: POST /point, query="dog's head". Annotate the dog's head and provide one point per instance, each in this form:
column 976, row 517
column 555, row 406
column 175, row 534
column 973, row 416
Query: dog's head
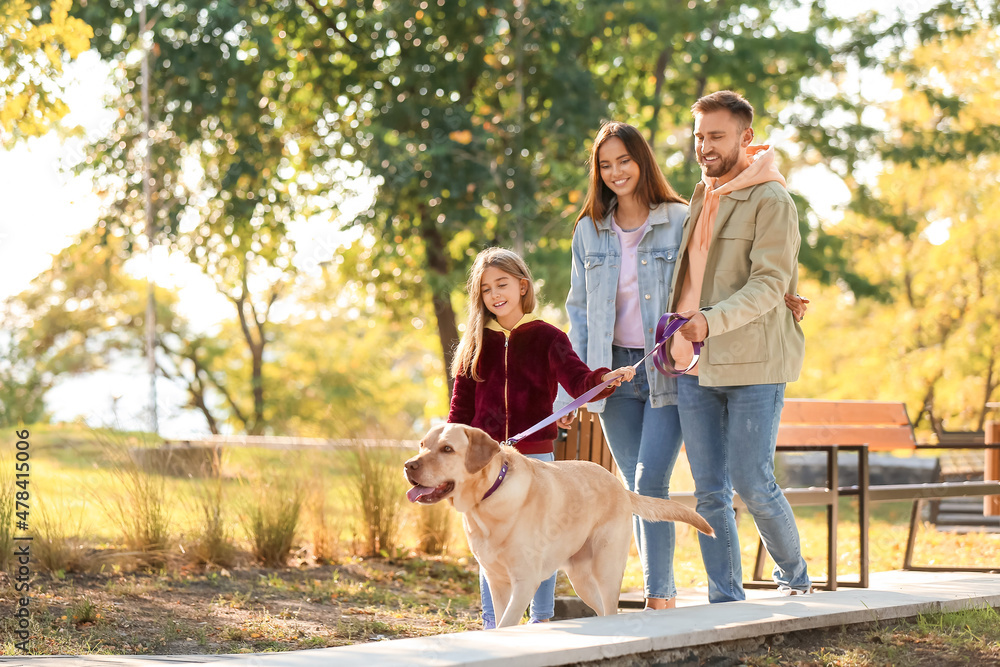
column 449, row 455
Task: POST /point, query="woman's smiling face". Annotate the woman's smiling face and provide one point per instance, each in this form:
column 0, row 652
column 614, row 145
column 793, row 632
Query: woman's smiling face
column 618, row 170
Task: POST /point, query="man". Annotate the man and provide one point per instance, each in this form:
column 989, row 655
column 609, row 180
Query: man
column 738, row 261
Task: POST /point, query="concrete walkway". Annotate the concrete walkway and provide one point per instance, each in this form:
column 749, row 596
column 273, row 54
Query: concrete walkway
column 892, row 595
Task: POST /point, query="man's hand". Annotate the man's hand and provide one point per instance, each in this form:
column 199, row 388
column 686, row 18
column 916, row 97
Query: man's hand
column 696, row 330
column 796, row 304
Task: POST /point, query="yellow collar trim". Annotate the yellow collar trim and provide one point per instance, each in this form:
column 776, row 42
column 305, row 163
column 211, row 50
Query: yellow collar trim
column 493, row 325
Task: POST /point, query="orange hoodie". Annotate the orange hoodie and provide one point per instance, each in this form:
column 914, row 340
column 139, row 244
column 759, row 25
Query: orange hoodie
column 761, row 170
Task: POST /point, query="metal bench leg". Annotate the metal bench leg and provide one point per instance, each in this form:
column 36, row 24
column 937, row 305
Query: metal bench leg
column 832, row 482
column 758, row 566
column 863, row 515
column 911, row 539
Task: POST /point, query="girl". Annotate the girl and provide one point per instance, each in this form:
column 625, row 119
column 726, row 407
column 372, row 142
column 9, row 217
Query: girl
column 625, row 243
column 506, row 371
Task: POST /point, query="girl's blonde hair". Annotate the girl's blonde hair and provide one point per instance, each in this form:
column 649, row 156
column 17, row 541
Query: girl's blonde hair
column 466, row 359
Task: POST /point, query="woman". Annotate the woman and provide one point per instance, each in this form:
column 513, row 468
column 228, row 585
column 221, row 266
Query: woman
column 625, row 242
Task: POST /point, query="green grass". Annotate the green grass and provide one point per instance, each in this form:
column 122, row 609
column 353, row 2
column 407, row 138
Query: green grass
column 67, row 459
column 72, row 473
column 969, row 637
column 378, row 598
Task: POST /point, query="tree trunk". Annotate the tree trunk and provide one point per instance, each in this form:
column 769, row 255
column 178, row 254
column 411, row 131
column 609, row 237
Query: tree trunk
column 927, row 408
column 198, row 398
column 690, row 157
column 438, row 263
column 987, row 391
column 257, row 427
column 660, row 72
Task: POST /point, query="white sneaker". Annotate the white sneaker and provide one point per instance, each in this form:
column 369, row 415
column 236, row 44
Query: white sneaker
column 785, row 590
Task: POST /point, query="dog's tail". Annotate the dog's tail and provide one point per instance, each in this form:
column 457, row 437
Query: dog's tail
column 658, row 509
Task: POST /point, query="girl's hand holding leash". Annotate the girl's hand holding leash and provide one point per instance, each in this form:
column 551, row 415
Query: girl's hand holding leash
column 624, row 374
column 566, row 420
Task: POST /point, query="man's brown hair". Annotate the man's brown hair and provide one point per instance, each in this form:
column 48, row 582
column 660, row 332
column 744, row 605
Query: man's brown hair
column 732, row 102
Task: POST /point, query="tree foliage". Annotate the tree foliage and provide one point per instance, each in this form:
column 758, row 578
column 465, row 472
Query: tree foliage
column 470, row 121
column 36, row 39
column 231, row 169
column 923, row 231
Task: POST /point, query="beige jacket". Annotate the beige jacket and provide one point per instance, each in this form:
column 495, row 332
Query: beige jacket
column 752, row 263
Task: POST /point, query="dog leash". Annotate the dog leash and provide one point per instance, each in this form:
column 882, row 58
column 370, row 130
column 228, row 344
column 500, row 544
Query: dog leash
column 666, row 327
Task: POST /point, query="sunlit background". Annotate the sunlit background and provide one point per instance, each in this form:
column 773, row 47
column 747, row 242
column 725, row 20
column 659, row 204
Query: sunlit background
column 46, row 206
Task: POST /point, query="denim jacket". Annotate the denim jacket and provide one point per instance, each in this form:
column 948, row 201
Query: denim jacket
column 594, row 288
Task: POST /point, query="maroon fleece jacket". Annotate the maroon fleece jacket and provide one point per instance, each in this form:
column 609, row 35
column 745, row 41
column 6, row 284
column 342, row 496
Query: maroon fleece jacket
column 520, row 370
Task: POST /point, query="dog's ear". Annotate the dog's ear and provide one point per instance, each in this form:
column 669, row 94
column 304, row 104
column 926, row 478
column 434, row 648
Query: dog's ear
column 482, row 449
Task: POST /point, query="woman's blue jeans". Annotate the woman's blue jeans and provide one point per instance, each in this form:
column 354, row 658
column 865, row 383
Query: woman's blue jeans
column 644, row 442
column 730, row 435
column 543, row 605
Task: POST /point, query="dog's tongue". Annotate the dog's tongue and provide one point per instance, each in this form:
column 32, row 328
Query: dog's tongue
column 418, row 492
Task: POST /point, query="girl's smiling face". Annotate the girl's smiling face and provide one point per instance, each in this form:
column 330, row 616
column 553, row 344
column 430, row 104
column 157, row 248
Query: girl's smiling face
column 502, row 294
column 618, row 170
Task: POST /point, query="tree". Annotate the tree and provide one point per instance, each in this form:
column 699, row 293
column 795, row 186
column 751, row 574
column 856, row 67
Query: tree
column 339, row 367
column 230, row 169
column 32, row 55
column 923, row 231
column 465, row 114
column 346, row 368
column 23, row 386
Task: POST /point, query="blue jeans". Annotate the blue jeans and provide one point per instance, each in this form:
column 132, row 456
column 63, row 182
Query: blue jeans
column 543, row 605
column 644, row 442
column 730, row 434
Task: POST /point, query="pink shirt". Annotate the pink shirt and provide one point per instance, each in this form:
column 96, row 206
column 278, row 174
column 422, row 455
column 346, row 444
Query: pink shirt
column 628, row 319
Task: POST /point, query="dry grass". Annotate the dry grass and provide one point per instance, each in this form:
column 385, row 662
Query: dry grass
column 435, row 528
column 970, row 637
column 56, row 545
column 270, row 516
column 369, row 598
column 136, row 500
column 66, row 459
column 214, row 540
column 7, row 505
column 322, row 525
column 379, row 490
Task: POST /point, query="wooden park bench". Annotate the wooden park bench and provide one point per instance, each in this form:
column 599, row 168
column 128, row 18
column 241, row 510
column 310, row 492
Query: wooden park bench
column 829, row 427
column 963, row 462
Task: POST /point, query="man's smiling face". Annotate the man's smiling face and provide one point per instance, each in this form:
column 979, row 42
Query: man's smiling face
column 720, row 143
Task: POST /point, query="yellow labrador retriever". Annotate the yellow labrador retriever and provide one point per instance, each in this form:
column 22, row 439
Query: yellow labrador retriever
column 525, row 518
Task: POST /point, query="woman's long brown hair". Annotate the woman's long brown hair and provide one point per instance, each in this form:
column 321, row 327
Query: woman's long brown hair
column 653, row 188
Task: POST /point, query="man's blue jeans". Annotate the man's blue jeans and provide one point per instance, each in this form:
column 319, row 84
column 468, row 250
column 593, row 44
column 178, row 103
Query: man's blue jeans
column 543, row 605
column 644, row 442
column 730, row 435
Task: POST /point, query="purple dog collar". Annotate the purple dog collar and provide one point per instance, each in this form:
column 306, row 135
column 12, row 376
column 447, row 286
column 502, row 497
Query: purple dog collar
column 496, row 484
